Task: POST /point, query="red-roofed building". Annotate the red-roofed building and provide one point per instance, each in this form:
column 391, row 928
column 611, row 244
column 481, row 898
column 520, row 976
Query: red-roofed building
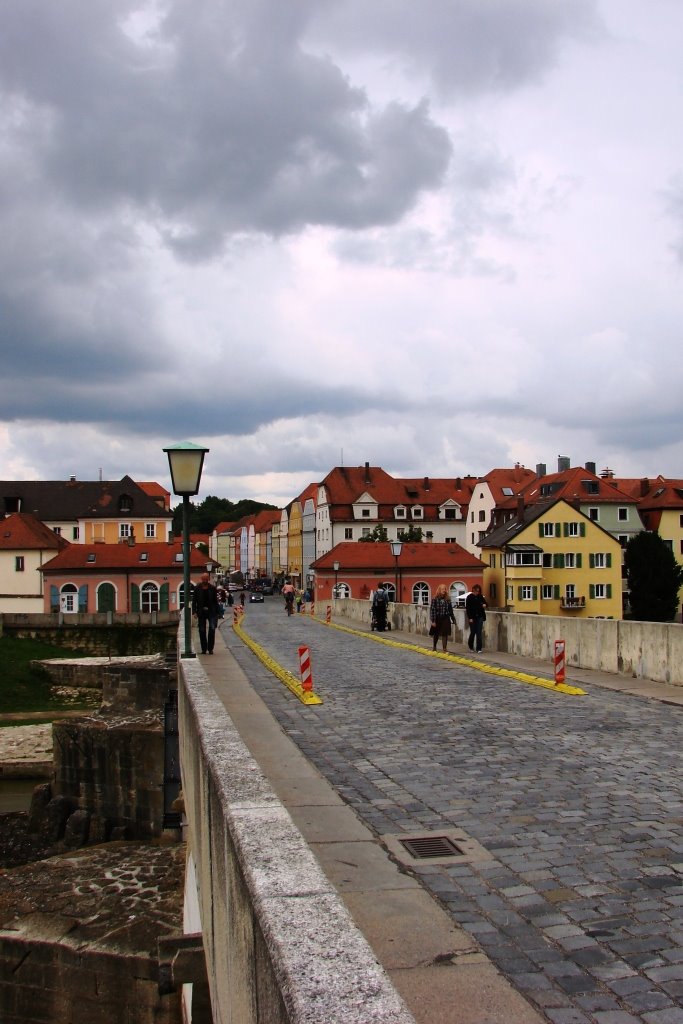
column 413, row 576
column 353, row 500
column 25, row 545
column 118, row 577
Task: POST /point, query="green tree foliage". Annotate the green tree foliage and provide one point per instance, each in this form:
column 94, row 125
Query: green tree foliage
column 212, row 511
column 378, row 535
column 413, row 535
column 654, row 578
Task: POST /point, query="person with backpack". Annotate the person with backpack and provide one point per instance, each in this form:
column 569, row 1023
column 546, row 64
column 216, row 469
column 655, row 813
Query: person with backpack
column 379, row 609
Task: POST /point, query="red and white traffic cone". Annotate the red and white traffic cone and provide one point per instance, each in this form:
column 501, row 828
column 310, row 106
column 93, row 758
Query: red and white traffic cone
column 305, row 668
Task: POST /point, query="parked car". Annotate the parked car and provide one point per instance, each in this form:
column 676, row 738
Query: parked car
column 256, row 597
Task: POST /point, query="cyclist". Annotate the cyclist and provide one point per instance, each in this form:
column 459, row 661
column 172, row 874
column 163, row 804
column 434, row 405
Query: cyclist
column 288, row 594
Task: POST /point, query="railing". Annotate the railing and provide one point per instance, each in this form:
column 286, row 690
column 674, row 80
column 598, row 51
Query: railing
column 572, row 602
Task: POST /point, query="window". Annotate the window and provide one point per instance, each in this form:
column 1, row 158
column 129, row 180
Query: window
column 572, row 529
column 599, row 591
column 622, row 515
column 449, row 513
column 548, row 529
column 599, row 561
column 591, row 486
column 570, row 592
column 342, row 590
column 492, row 561
column 150, row 529
column 450, row 540
column 366, row 531
column 143, row 556
column 623, row 539
column 526, row 593
column 507, row 491
column 19, row 563
column 365, row 513
column 482, row 515
column 149, row 597
column 91, row 556
column 420, row 593
column 547, row 592
column 124, row 531
column 594, row 514
column 57, row 530
column 125, row 503
column 523, row 558
column 348, row 533
column 570, row 560
column 418, row 512
column 400, row 513
column 75, row 533
column 390, row 590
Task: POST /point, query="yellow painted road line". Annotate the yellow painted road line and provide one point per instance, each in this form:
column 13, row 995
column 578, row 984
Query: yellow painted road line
column 290, row 681
column 481, row 666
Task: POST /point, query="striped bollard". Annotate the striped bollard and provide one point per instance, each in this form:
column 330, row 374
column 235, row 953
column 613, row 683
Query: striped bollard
column 235, row 615
column 559, row 662
column 305, row 668
column 328, row 614
column 312, row 608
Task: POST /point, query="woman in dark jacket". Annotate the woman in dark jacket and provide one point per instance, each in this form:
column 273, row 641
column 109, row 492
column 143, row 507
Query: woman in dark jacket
column 441, row 615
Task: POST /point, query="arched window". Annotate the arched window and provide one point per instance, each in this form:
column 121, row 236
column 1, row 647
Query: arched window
column 390, row 589
column 421, row 593
column 458, row 591
column 342, row 590
column 149, row 595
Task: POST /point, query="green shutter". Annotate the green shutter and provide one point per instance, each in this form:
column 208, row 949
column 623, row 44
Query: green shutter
column 608, row 590
column 519, row 593
column 582, row 529
column 558, row 529
column 591, row 560
column 556, row 592
column 541, row 531
column 134, row 597
column 591, row 591
column 534, row 593
column 163, row 598
column 558, row 561
column 609, row 560
column 565, row 529
column 578, row 560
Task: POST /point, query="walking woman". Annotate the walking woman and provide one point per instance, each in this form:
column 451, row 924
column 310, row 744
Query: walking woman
column 441, row 615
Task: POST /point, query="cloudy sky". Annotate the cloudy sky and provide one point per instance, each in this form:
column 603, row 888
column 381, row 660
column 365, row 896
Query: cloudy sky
column 439, row 237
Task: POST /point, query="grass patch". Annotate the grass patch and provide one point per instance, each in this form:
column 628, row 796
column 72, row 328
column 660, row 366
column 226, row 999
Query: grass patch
column 24, row 688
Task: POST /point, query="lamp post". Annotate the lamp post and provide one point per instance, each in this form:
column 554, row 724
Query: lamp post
column 396, row 547
column 336, row 567
column 185, row 461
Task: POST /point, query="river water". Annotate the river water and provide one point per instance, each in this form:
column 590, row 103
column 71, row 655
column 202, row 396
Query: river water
column 15, row 794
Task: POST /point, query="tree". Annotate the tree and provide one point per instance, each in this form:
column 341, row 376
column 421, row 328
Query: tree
column 378, row 535
column 413, row 535
column 212, row 511
column 654, row 578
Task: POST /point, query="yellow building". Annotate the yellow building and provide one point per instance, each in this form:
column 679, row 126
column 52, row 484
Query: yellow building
column 551, row 559
column 295, row 545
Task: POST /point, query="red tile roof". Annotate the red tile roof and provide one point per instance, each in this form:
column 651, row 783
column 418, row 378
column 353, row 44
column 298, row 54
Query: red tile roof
column 378, row 556
column 574, row 484
column 22, row 531
column 108, row 557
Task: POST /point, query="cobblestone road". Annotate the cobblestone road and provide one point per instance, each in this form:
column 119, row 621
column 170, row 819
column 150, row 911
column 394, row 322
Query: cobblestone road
column 577, row 799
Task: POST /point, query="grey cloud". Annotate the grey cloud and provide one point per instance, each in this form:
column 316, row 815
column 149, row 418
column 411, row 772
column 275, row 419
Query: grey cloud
column 469, row 46
column 208, row 126
column 673, row 203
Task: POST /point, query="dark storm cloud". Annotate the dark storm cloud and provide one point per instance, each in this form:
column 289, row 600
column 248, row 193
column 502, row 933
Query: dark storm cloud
column 468, row 46
column 216, row 121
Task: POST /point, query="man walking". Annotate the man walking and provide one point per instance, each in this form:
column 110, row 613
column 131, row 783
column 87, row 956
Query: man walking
column 205, row 610
column 475, row 610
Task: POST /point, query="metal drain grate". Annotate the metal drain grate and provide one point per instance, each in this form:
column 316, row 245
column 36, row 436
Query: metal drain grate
column 425, row 847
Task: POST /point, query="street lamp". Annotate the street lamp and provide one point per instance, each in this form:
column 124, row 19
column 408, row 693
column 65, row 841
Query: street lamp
column 185, row 461
column 396, row 547
column 336, row 567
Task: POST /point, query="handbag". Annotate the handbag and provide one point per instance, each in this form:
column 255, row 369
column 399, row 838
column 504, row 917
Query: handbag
column 432, row 630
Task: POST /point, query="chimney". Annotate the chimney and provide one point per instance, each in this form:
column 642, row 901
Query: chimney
column 644, row 486
column 563, row 463
column 458, row 484
column 367, row 472
column 607, row 473
column 72, row 478
column 520, row 505
column 590, row 466
column 426, row 483
column 541, row 469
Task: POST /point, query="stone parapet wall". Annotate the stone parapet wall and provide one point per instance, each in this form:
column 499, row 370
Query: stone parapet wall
column 266, row 909
column 99, row 634
column 642, row 650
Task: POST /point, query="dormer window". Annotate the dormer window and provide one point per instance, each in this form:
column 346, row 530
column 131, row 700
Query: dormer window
column 418, row 512
column 365, row 513
column 400, row 512
column 143, row 556
column 125, row 503
column 91, row 556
